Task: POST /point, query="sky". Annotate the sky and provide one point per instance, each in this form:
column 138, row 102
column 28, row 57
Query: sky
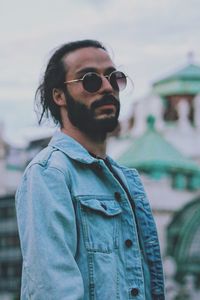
column 147, row 39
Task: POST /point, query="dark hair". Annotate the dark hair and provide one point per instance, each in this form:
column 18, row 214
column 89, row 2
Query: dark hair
column 54, row 77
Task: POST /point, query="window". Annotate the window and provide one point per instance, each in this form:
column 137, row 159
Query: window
column 9, row 241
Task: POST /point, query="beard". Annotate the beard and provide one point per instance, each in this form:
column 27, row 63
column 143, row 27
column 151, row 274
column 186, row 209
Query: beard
column 84, row 119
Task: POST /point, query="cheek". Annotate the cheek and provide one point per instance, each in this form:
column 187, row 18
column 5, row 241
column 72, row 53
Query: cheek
column 75, row 90
column 82, row 96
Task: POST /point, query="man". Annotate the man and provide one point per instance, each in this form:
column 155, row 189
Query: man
column 85, row 225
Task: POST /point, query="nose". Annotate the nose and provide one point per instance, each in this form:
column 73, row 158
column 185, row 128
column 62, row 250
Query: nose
column 106, row 85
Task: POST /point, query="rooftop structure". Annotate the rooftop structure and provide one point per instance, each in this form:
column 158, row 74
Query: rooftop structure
column 182, row 84
column 153, row 155
column 185, row 81
column 184, row 241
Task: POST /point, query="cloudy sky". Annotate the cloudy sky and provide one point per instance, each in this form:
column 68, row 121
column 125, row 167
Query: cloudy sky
column 147, row 38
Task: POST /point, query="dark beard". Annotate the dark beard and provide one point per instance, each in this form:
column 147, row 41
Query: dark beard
column 83, row 117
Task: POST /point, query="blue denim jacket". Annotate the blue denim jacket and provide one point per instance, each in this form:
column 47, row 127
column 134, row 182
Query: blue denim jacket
column 79, row 231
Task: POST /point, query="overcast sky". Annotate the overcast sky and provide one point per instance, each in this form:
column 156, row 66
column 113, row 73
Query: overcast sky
column 147, row 38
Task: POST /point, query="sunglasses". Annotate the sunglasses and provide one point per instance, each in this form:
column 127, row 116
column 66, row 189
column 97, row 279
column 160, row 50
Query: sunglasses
column 92, row 82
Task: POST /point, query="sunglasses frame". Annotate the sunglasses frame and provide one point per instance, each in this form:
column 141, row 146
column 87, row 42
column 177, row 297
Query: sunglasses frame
column 106, row 76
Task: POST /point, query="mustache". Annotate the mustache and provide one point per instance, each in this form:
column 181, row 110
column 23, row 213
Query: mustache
column 107, row 99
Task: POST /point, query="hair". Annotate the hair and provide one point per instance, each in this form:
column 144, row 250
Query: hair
column 54, row 77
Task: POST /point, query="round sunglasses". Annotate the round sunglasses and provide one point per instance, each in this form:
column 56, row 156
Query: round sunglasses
column 92, row 81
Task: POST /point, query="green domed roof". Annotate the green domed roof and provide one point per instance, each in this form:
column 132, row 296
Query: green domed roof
column 183, row 239
column 152, row 153
column 183, row 82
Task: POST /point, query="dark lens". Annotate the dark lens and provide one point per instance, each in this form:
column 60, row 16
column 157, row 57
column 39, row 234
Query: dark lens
column 92, row 82
column 118, row 80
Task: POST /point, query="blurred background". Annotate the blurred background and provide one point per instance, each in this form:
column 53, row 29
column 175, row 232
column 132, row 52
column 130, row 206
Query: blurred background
column 157, row 43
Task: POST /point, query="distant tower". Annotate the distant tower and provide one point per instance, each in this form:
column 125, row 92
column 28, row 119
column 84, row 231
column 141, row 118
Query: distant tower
column 183, row 110
column 190, row 57
column 183, row 84
column 197, row 112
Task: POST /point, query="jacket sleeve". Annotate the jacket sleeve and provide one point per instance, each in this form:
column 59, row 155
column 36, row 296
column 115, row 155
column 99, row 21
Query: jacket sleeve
column 48, row 236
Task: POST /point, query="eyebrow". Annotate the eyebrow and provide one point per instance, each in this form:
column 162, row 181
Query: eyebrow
column 94, row 70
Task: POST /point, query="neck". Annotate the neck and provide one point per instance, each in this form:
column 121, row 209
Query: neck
column 95, row 145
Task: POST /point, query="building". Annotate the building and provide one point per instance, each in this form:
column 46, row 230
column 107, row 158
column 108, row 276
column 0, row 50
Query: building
column 166, row 152
column 183, row 84
column 13, row 160
column 183, row 243
column 10, row 254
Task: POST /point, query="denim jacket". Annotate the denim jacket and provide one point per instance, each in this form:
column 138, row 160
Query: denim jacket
column 81, row 237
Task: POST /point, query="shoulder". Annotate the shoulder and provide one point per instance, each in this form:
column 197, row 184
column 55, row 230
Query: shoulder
column 49, row 165
column 47, row 159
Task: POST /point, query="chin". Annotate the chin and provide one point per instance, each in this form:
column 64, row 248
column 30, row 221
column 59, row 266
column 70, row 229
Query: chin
column 107, row 124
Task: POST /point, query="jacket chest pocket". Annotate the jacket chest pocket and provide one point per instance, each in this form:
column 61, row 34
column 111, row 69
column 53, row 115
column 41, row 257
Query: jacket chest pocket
column 100, row 221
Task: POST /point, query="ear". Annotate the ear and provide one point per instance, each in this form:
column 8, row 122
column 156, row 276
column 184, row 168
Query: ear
column 59, row 97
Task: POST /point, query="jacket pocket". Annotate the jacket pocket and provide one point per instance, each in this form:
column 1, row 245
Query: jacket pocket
column 100, row 221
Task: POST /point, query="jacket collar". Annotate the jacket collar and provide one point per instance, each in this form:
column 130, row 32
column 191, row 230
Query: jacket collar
column 71, row 148
column 74, row 149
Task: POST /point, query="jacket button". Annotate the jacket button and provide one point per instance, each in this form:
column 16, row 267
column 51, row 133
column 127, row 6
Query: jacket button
column 117, row 196
column 134, row 292
column 128, row 243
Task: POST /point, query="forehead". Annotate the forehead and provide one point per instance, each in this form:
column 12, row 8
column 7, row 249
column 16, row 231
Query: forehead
column 89, row 57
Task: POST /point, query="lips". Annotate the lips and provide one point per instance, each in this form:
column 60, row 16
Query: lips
column 106, row 101
column 106, row 109
column 107, row 106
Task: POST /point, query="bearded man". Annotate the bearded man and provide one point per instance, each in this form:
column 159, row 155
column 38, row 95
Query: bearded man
column 85, row 225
